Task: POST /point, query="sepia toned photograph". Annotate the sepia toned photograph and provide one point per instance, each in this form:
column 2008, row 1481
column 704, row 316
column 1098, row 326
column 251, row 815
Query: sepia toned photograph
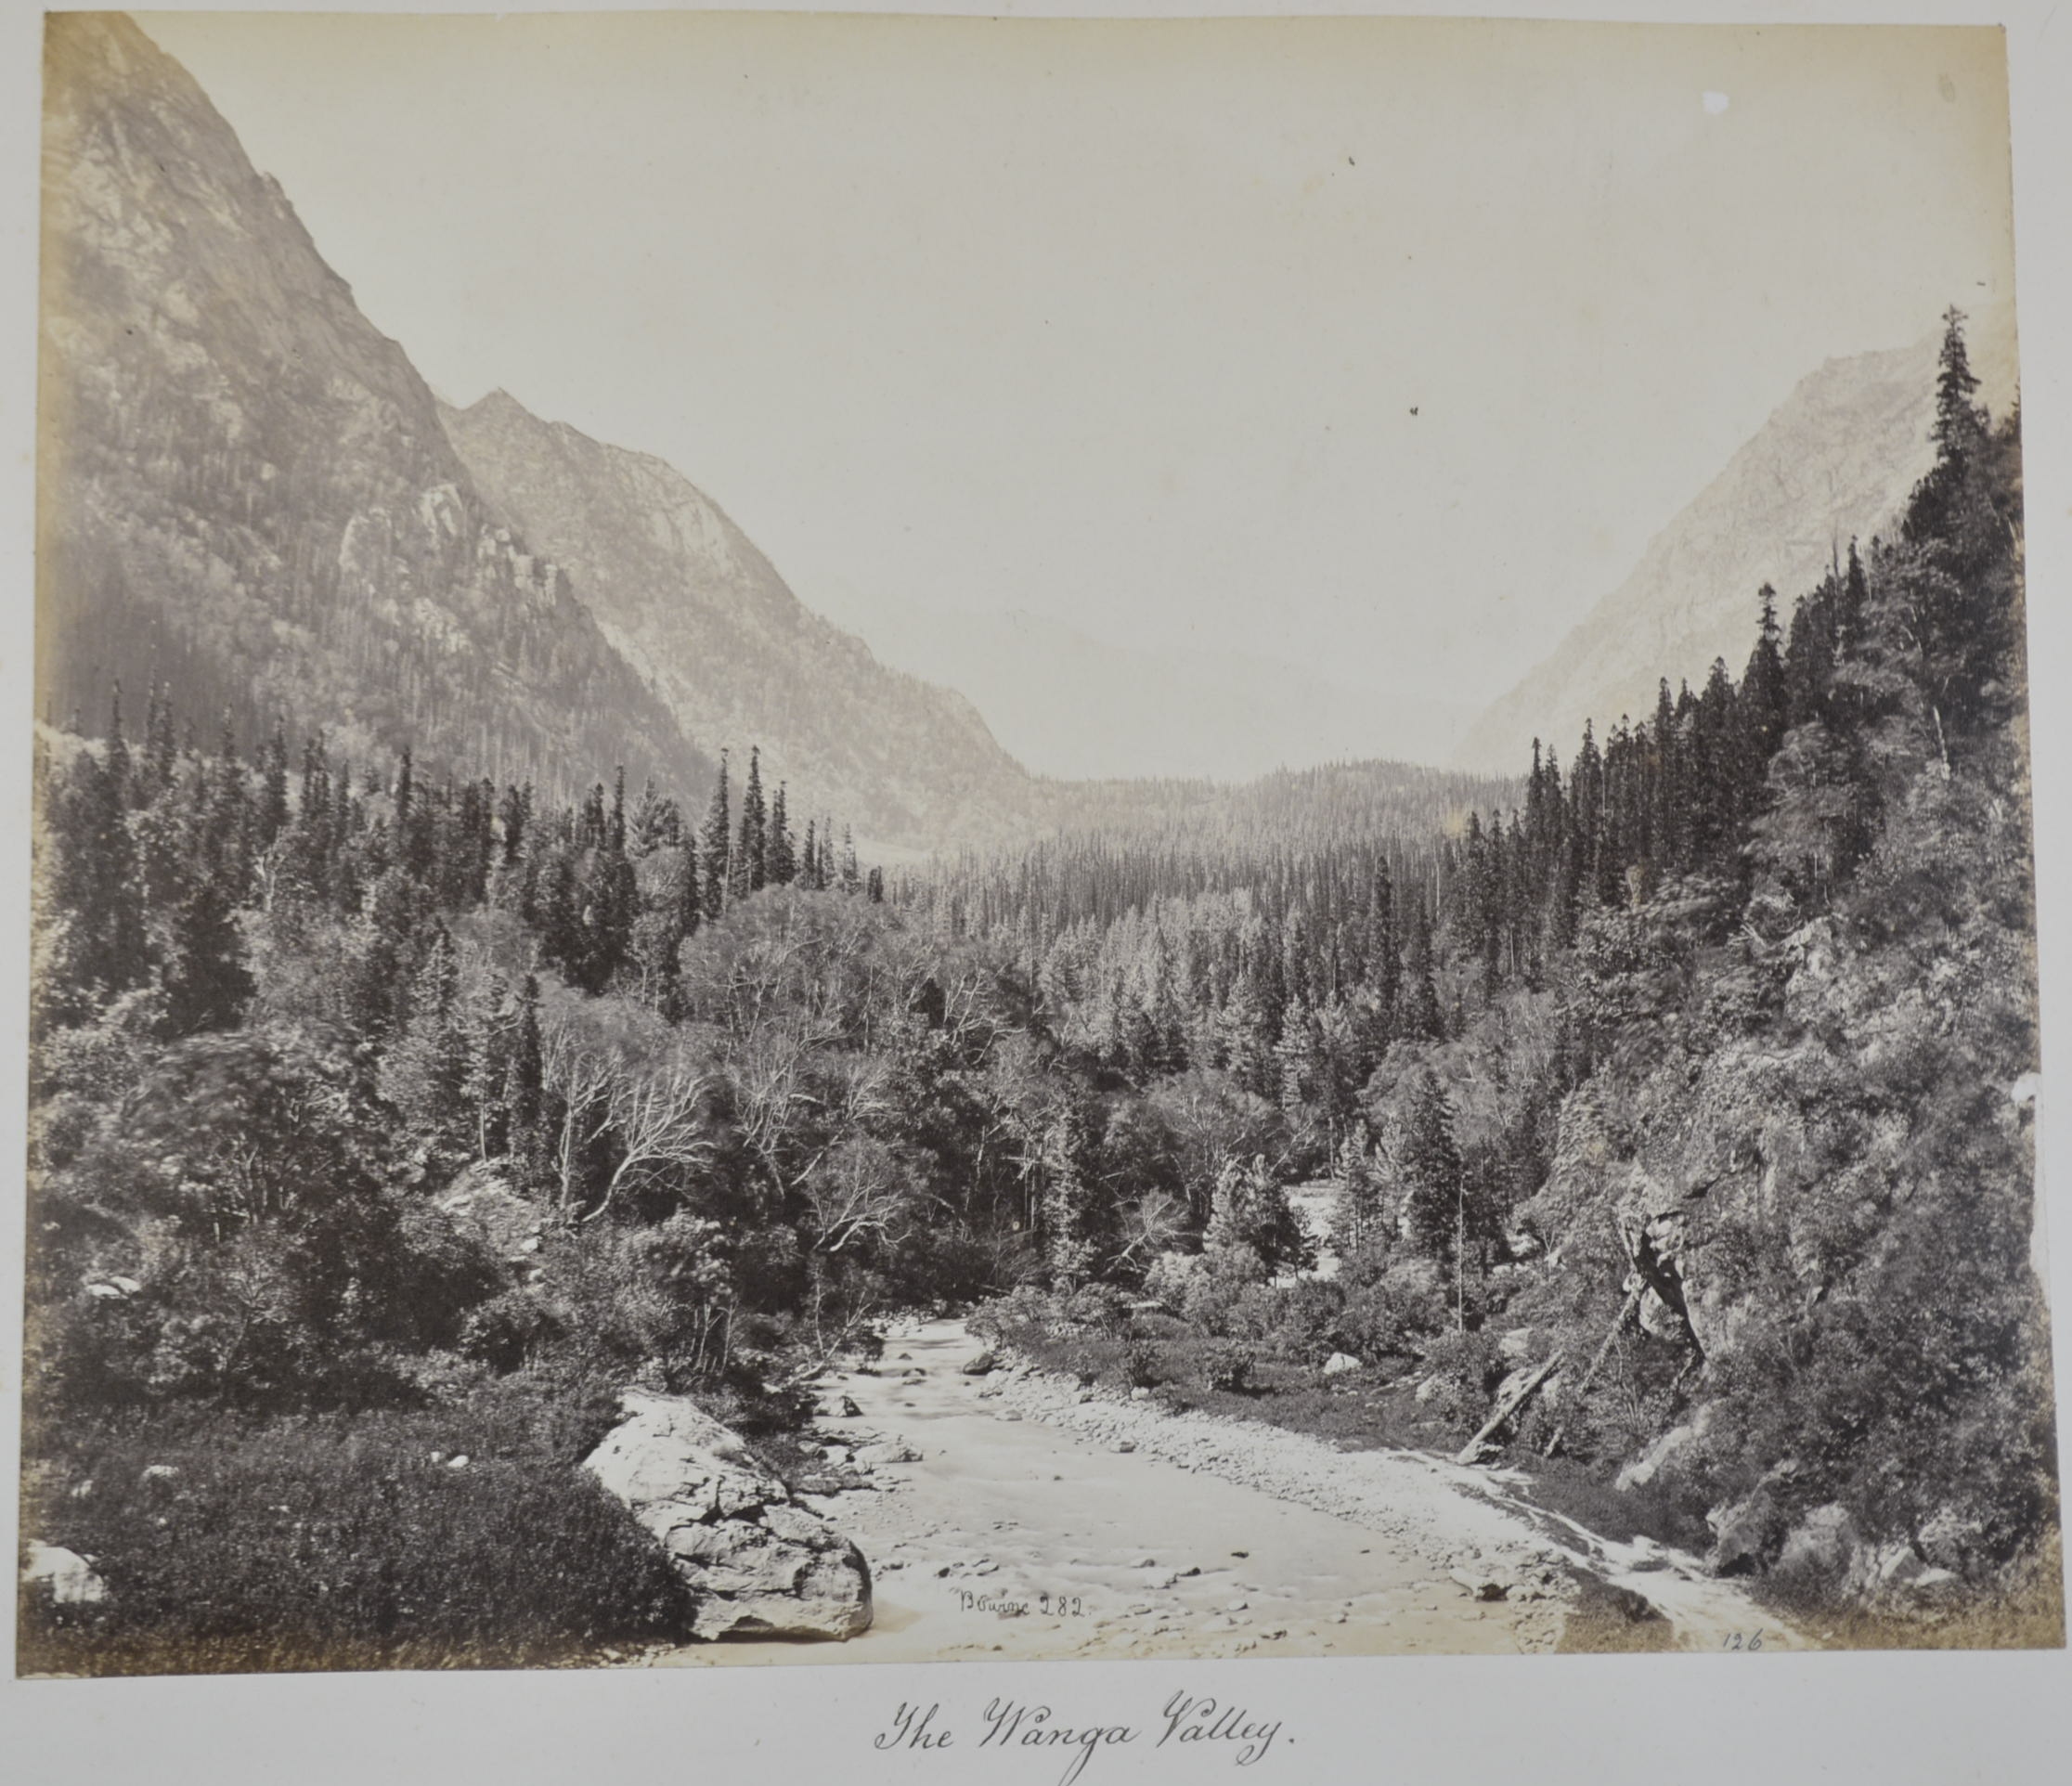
column 891, row 839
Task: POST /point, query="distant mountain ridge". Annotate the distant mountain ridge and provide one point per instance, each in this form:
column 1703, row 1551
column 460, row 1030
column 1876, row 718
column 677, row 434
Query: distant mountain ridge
column 1834, row 462
column 1176, row 711
column 691, row 603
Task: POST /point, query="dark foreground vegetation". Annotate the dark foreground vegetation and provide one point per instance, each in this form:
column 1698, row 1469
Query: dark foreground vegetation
column 384, row 1120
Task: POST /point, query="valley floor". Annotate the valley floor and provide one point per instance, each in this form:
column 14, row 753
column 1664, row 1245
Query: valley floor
column 1110, row 1528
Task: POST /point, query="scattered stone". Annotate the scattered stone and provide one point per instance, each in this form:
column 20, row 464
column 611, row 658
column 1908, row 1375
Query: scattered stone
column 158, row 1472
column 458, row 1462
column 1140, row 1395
column 887, row 1452
column 1339, row 1363
column 1483, row 1583
column 850, row 1410
column 1125, row 1444
column 63, row 1576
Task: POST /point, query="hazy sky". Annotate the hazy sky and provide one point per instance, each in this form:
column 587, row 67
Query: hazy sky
column 1379, row 347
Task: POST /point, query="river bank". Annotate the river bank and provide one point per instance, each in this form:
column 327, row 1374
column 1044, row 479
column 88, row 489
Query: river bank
column 1036, row 1520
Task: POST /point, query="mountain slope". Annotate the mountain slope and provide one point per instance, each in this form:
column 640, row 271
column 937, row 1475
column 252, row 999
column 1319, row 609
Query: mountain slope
column 245, row 489
column 691, row 603
column 1834, row 462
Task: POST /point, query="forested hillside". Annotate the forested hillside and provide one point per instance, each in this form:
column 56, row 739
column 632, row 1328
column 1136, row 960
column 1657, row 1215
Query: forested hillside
column 378, row 1111
column 1838, row 459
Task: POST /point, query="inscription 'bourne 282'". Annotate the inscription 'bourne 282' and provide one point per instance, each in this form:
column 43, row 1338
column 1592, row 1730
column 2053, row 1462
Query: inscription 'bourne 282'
column 1014, row 1724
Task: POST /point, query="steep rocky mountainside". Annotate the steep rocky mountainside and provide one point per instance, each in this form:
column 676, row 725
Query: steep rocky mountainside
column 246, row 491
column 1834, row 462
column 703, row 616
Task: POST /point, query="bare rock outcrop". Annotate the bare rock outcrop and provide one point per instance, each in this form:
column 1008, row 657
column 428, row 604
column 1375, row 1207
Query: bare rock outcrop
column 760, row 1563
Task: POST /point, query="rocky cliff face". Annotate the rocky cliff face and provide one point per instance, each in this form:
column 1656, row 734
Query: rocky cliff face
column 245, row 487
column 1834, row 462
column 702, row 615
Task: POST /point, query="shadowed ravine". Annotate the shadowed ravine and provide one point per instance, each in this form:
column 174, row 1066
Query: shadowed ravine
column 1208, row 1537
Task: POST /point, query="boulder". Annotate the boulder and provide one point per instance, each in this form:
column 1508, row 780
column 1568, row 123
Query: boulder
column 981, row 1364
column 1644, row 1468
column 1514, row 1345
column 482, row 1204
column 1823, row 1546
column 1898, row 1577
column 1747, row 1534
column 62, row 1577
column 759, row 1563
column 887, row 1451
column 1338, row 1363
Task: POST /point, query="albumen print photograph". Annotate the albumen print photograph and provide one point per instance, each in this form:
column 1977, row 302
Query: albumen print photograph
column 891, row 840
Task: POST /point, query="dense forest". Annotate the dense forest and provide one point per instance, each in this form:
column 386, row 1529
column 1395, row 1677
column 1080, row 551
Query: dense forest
column 380, row 1118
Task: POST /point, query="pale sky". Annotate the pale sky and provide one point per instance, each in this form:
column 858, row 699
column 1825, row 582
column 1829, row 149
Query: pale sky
column 1124, row 325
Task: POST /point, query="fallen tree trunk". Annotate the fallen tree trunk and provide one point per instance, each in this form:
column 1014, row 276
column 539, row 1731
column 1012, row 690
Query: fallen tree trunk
column 1512, row 1405
column 1628, row 1309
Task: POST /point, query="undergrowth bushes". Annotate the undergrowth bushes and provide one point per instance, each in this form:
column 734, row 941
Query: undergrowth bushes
column 455, row 1538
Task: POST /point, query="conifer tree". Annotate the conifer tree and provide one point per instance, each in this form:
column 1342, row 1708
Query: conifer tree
column 102, row 944
column 1765, row 703
column 782, row 863
column 525, row 1090
column 1385, row 951
column 1435, row 1184
column 1422, row 1017
column 750, row 868
column 716, row 846
column 272, row 815
column 161, row 751
column 512, row 816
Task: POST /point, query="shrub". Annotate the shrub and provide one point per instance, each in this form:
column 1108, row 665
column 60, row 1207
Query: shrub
column 1168, row 1280
column 1299, row 1320
column 340, row 1544
column 1227, row 1365
column 1462, row 1368
column 1139, row 1364
column 1392, row 1315
column 1101, row 1307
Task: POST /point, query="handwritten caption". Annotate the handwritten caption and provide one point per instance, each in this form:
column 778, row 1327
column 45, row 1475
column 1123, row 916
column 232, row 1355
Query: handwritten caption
column 1066, row 1606
column 1016, row 1724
